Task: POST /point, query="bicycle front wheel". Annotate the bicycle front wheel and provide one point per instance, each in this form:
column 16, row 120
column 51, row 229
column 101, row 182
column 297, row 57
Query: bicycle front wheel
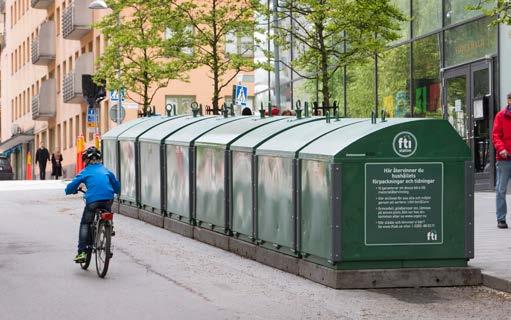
column 103, row 252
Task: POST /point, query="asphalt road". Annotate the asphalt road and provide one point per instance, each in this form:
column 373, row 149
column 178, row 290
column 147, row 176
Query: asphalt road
column 156, row 274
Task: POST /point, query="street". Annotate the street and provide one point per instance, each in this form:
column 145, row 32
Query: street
column 155, row 274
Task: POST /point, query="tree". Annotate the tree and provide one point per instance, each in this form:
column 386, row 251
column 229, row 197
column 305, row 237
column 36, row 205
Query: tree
column 331, row 34
column 501, row 9
column 139, row 56
column 223, row 38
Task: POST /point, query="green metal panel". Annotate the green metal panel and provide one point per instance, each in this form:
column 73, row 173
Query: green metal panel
column 118, row 130
column 210, row 190
column 230, row 132
column 187, row 135
column 366, row 141
column 157, row 134
column 136, row 131
column 275, row 200
column 452, row 246
column 178, row 181
column 316, row 208
column 258, row 136
column 290, row 141
column 242, row 201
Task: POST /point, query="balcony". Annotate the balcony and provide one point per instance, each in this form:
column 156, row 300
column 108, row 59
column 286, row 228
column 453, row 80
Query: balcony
column 72, row 84
column 43, row 46
column 44, row 103
column 41, row 4
column 76, row 20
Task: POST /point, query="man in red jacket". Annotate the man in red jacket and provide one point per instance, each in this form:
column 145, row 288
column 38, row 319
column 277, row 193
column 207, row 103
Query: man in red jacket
column 502, row 142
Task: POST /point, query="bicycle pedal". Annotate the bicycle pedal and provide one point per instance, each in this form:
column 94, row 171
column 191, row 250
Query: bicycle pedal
column 113, row 233
column 111, row 254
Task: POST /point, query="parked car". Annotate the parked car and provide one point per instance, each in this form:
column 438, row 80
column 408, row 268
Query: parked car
column 5, row 168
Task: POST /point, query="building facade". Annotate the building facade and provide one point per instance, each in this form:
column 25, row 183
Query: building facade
column 47, row 46
column 448, row 63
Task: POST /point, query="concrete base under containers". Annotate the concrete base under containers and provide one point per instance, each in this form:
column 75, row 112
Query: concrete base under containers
column 210, row 237
column 337, row 279
column 390, row 278
column 153, row 218
column 242, row 248
column 128, row 211
column 178, row 227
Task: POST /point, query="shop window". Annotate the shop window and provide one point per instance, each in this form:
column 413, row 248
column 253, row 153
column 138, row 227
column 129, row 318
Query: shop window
column 426, row 16
column 469, row 42
column 456, row 10
column 183, row 103
column 404, row 6
column 426, row 77
column 360, row 89
column 71, row 133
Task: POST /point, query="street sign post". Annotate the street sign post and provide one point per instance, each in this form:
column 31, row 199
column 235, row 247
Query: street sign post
column 117, row 113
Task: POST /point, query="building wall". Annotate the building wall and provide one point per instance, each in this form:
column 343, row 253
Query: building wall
column 21, row 80
column 505, row 63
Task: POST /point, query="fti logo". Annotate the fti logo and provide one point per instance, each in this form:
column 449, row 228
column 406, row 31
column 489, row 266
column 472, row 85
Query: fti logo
column 405, row 144
column 432, row 236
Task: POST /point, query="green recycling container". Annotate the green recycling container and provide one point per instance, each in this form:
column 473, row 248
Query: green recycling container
column 276, row 165
column 391, row 194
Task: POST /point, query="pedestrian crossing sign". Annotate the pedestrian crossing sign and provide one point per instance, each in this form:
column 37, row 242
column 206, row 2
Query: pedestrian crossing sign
column 241, row 93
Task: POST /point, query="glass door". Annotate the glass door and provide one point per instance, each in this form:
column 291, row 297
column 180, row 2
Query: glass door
column 457, row 102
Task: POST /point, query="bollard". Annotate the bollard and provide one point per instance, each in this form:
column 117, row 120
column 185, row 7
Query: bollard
column 327, row 116
column 269, row 110
column 195, row 109
column 383, row 116
column 261, row 111
column 306, row 106
column 298, row 109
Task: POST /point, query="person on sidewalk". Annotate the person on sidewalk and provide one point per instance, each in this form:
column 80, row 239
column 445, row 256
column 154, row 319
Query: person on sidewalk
column 56, row 164
column 502, row 143
column 42, row 156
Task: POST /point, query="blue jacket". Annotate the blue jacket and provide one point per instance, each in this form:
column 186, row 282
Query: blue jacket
column 100, row 182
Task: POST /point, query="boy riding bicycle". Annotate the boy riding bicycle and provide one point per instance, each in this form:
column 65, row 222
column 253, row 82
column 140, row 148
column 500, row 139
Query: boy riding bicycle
column 101, row 185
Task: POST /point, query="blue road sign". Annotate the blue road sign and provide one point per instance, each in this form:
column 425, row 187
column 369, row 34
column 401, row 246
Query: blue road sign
column 241, row 93
column 114, row 95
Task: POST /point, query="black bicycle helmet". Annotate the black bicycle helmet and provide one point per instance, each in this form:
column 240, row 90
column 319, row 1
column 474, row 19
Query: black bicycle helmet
column 91, row 154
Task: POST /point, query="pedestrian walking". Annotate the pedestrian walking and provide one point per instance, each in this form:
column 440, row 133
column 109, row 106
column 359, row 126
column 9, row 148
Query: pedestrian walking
column 56, row 164
column 502, row 143
column 42, row 156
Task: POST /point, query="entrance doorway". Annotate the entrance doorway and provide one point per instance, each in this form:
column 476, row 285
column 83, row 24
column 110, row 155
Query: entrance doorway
column 468, row 105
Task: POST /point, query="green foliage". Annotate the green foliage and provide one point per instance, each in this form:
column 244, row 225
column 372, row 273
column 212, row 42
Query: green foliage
column 331, row 34
column 137, row 56
column 501, row 9
column 216, row 25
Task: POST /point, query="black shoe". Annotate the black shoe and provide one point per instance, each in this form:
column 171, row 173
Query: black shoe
column 502, row 225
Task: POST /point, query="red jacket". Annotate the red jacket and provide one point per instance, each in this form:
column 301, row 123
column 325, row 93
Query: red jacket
column 502, row 133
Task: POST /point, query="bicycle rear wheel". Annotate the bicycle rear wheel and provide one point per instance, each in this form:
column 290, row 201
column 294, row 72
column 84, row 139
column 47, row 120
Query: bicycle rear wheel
column 103, row 252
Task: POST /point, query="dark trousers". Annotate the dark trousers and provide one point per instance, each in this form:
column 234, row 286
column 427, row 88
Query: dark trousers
column 84, row 236
column 42, row 171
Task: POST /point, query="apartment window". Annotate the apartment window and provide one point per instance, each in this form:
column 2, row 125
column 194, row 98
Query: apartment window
column 83, row 49
column 64, row 136
column 12, row 63
column 58, row 79
column 89, row 47
column 57, row 22
column 24, row 54
column 28, row 49
column 77, row 126
column 98, row 44
column 84, row 128
column 15, row 60
column 29, row 99
column 15, row 12
column 64, row 68
column 12, row 110
column 70, row 133
column 77, row 54
column 24, row 102
column 58, row 138
column 12, row 16
column 70, row 63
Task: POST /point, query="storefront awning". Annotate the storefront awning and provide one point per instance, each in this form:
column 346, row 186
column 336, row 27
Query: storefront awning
column 7, row 145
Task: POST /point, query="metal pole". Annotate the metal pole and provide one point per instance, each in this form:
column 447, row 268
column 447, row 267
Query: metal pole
column 119, row 106
column 276, row 53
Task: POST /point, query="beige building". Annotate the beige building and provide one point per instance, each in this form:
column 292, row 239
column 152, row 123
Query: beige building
column 46, row 47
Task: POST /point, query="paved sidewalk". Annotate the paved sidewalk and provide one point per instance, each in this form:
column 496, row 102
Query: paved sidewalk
column 492, row 245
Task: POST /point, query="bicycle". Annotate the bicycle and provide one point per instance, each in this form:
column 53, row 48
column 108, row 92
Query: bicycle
column 101, row 232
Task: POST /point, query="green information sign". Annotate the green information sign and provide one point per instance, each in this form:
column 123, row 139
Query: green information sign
column 403, row 203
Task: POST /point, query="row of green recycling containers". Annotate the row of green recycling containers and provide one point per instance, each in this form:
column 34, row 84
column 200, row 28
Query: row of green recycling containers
column 347, row 194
